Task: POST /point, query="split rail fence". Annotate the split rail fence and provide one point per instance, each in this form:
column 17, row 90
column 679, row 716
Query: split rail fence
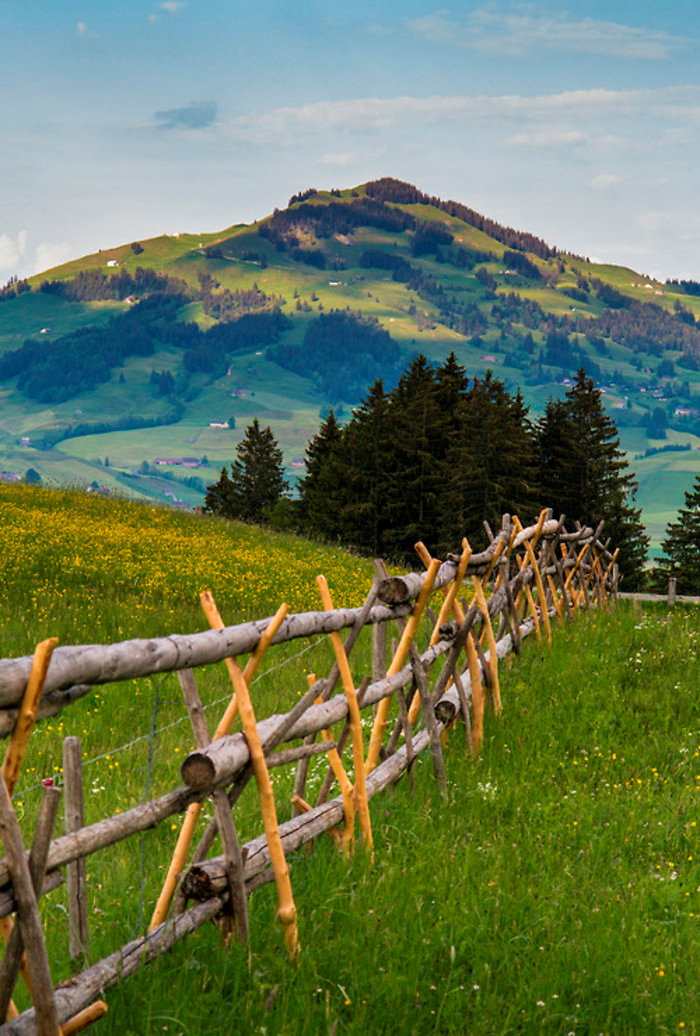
column 489, row 602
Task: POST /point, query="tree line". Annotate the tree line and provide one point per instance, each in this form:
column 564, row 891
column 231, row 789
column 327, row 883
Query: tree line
column 436, row 457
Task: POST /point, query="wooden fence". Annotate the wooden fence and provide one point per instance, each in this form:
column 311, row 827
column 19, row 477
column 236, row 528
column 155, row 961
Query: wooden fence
column 527, row 578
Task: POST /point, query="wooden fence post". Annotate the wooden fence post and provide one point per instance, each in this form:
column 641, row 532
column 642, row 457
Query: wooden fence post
column 28, row 919
column 672, row 592
column 76, row 876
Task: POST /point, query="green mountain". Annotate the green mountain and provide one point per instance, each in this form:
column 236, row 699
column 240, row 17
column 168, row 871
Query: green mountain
column 137, row 369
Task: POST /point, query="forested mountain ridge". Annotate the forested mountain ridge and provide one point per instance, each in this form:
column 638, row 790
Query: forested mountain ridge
column 135, row 354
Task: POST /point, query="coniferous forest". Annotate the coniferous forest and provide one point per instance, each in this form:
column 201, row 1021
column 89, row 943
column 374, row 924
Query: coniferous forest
column 439, row 455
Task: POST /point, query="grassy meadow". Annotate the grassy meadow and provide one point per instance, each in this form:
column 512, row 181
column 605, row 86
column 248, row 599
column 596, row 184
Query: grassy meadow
column 555, row 891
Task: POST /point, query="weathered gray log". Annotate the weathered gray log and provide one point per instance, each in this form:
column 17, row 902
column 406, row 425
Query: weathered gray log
column 292, row 755
column 221, row 761
column 28, row 918
column 76, row 875
column 106, row 832
column 431, row 724
column 14, row 950
column 330, row 683
column 130, row 659
column 53, row 880
column 237, row 919
column 205, row 879
column 149, row 814
column 84, row 988
column 329, row 777
column 51, row 704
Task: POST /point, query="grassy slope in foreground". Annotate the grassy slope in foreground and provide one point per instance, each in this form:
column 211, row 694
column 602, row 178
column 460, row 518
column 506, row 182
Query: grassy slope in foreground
column 556, row 891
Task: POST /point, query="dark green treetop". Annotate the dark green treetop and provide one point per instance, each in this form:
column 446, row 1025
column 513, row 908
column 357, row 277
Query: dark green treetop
column 585, row 475
column 682, row 544
column 256, row 482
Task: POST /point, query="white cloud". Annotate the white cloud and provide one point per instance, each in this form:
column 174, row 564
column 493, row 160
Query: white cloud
column 547, row 137
column 172, row 6
column 604, row 181
column 283, row 125
column 341, row 159
column 49, row 255
column 521, row 29
column 81, row 29
column 11, row 251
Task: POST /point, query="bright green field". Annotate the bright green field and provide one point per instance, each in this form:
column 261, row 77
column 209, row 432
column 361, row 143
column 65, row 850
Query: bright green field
column 555, row 891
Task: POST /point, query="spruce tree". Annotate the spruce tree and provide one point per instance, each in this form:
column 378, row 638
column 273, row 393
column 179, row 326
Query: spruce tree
column 585, row 475
column 491, row 464
column 318, row 503
column 256, row 482
column 682, row 544
column 412, row 471
column 359, row 478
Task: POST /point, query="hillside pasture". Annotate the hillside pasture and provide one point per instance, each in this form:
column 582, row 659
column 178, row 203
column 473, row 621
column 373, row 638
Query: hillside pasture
column 555, row 890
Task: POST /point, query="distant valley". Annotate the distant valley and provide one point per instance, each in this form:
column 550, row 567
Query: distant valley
column 137, row 369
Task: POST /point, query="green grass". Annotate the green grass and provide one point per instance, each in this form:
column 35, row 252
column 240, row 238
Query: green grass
column 556, row 890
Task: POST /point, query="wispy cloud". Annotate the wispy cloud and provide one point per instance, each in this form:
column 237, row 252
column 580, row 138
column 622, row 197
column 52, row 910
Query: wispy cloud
column 521, row 29
column 197, row 115
column 548, row 136
column 604, row 181
column 12, row 251
column 49, row 255
column 81, row 29
column 342, row 159
column 169, row 6
column 680, row 104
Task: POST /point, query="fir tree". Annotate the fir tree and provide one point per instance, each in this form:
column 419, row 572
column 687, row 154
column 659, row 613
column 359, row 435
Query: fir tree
column 682, row 544
column 256, row 482
column 317, row 506
column 411, row 470
column 360, row 477
column 491, row 464
column 585, row 474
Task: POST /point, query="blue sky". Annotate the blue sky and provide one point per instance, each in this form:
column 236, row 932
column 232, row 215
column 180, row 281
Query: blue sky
column 122, row 120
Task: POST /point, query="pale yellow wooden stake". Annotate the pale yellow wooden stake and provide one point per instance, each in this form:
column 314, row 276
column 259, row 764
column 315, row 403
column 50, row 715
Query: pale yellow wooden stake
column 569, row 583
column 360, row 789
column 189, row 824
column 91, row 1014
column 398, row 662
column 544, row 613
column 449, row 605
column 568, row 589
column 504, row 568
column 494, row 561
column 533, row 611
column 493, row 656
column 346, row 789
column 477, row 689
column 13, row 761
column 558, row 603
column 287, row 913
column 27, row 713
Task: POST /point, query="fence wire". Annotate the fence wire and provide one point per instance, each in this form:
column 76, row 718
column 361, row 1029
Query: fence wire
column 154, row 732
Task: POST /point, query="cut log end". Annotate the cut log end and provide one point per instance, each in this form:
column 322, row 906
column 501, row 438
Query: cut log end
column 198, row 771
column 393, row 590
column 197, row 884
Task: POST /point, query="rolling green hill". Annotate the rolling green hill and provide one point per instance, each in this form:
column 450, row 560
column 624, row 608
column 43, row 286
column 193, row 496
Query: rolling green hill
column 125, row 391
